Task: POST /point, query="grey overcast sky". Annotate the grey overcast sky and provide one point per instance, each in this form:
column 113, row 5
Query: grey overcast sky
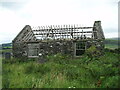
column 15, row 14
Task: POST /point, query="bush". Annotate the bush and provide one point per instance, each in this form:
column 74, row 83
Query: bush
column 111, row 82
column 117, row 50
column 92, row 52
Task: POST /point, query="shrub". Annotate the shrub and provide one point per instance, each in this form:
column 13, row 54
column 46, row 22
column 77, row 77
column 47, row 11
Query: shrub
column 92, row 52
column 111, row 82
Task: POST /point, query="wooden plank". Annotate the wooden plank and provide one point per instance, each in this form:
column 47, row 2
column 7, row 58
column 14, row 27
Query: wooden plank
column 66, row 32
column 64, row 28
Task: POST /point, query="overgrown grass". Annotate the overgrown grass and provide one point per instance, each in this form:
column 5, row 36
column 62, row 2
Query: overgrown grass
column 5, row 50
column 63, row 72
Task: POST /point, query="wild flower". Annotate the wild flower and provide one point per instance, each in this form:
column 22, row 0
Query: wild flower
column 72, row 87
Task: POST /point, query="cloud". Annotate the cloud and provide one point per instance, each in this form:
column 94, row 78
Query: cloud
column 13, row 4
column 72, row 12
column 11, row 24
column 15, row 14
column 111, row 35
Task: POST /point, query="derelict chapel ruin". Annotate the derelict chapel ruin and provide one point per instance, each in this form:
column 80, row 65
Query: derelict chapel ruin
column 66, row 39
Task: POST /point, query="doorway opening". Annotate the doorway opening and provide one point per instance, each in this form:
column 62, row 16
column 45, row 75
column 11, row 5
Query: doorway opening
column 33, row 50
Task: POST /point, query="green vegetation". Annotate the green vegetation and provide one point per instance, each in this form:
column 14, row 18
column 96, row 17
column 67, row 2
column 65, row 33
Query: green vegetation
column 110, row 41
column 60, row 71
column 6, row 50
column 0, row 72
column 111, row 44
column 92, row 52
column 6, row 46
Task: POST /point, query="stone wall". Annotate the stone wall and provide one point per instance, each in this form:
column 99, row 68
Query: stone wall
column 53, row 47
column 19, row 49
column 43, row 48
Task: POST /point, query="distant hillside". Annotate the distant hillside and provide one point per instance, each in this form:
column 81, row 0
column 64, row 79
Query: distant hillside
column 0, row 46
column 112, row 43
column 6, row 46
column 114, row 38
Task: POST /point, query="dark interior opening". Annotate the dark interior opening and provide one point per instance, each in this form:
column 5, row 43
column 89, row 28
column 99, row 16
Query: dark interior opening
column 80, row 52
column 80, row 48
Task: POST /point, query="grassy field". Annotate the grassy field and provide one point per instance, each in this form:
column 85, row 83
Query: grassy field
column 111, row 46
column 6, row 50
column 62, row 72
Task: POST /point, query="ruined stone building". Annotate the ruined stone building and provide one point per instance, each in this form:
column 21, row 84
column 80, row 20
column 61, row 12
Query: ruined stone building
column 65, row 39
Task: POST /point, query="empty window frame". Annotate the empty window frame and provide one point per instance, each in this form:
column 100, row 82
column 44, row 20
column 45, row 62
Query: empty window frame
column 80, row 48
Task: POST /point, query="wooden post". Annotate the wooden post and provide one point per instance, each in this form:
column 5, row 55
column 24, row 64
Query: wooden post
column 72, row 31
column 61, row 33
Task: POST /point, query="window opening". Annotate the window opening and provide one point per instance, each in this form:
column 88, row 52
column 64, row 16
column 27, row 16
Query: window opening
column 80, row 48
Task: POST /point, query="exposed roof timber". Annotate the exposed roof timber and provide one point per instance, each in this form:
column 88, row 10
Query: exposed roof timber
column 26, row 36
column 64, row 32
column 41, row 29
column 59, row 32
column 22, row 33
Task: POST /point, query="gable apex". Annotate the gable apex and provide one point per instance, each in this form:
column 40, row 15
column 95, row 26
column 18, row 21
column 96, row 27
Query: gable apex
column 26, row 29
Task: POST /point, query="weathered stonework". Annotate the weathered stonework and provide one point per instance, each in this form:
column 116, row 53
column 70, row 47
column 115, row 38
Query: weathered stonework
column 66, row 40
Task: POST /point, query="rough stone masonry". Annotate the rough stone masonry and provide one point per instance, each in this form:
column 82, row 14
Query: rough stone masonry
column 53, row 39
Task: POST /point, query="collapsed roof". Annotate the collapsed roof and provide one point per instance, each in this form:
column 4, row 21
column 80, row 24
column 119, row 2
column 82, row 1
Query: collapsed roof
column 59, row 32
